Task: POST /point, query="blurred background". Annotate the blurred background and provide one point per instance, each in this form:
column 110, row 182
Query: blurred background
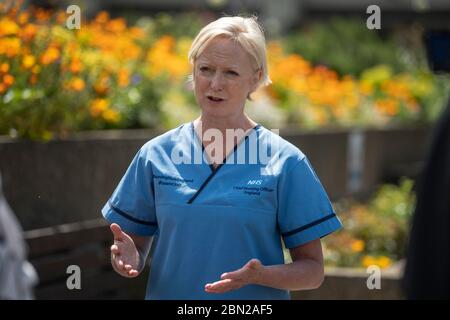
column 75, row 106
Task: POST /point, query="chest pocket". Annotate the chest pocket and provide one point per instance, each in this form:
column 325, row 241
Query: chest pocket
column 255, row 193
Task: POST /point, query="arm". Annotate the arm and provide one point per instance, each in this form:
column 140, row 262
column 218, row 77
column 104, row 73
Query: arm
column 305, row 272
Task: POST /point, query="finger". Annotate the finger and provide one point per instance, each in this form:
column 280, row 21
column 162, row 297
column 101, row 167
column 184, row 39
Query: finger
column 133, row 273
column 120, row 264
column 117, row 231
column 128, row 267
column 238, row 274
column 219, row 286
column 115, row 250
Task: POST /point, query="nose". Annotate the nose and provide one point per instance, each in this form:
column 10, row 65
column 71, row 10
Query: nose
column 217, row 82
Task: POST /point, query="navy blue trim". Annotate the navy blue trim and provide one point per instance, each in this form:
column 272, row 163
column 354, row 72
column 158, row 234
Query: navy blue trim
column 129, row 217
column 214, row 170
column 309, row 225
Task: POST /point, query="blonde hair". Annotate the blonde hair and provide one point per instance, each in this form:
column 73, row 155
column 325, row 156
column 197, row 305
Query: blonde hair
column 245, row 31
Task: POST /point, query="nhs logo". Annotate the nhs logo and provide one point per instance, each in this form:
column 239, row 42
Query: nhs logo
column 254, row 182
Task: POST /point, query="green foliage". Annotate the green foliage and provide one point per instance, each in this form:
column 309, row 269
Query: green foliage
column 377, row 229
column 345, row 45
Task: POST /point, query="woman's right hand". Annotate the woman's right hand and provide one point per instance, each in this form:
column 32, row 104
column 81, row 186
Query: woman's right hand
column 125, row 257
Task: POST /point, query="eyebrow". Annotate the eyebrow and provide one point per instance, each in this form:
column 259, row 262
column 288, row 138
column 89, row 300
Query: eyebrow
column 209, row 64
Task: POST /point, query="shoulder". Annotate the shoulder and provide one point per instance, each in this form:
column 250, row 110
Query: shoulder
column 286, row 153
column 164, row 142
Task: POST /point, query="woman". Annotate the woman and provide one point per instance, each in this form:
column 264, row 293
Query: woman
column 215, row 204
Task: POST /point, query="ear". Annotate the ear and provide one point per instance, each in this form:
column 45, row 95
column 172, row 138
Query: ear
column 257, row 75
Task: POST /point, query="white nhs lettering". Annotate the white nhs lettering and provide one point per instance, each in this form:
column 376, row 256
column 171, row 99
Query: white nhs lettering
column 252, row 182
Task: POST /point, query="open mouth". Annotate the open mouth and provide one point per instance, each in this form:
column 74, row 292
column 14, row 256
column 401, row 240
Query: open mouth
column 215, row 99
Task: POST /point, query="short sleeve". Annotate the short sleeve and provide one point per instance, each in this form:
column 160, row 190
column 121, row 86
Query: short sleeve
column 132, row 204
column 305, row 212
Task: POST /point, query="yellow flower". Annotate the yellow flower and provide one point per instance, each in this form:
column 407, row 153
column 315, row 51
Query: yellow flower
column 111, row 115
column 8, row 27
column 368, row 261
column 36, row 69
column 98, row 106
column 28, row 61
column 357, row 245
column 383, row 262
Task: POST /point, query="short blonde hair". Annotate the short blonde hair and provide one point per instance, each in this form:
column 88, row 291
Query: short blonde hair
column 245, row 31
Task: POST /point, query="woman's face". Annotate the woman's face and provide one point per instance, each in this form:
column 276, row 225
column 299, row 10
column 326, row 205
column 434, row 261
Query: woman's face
column 223, row 77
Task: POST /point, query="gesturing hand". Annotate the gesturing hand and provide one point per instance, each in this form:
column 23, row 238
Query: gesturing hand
column 236, row 279
column 125, row 256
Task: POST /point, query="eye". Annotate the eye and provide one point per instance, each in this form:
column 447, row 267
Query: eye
column 204, row 69
column 233, row 73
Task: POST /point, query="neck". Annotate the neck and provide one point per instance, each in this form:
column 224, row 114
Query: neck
column 240, row 122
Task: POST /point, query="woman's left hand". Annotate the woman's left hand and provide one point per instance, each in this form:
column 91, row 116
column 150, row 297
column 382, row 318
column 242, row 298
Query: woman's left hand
column 236, row 279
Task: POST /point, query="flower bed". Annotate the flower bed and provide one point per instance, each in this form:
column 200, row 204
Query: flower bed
column 110, row 74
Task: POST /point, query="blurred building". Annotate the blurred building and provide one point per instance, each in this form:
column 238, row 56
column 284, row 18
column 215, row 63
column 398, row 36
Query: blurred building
column 279, row 16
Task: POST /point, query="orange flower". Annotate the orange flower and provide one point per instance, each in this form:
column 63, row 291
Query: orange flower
column 75, row 66
column 123, row 77
column 357, row 245
column 33, row 79
column 8, row 80
column 4, row 67
column 28, row 32
column 77, row 84
column 2, row 88
column 50, row 55
column 102, row 17
column 42, row 15
column 389, row 107
column 61, row 17
column 10, row 46
column 23, row 18
column 101, row 87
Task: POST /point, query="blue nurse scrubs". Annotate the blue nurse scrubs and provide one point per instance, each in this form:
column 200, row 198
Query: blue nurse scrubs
column 208, row 221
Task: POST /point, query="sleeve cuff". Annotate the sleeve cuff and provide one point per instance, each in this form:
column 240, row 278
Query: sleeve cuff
column 317, row 229
column 127, row 222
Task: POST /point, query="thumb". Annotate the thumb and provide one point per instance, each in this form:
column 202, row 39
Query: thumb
column 254, row 264
column 117, row 231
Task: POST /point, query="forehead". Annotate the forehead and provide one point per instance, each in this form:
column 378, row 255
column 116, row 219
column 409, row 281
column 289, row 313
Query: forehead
column 223, row 51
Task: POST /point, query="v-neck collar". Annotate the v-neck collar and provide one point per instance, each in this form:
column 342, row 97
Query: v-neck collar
column 236, row 146
column 215, row 170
